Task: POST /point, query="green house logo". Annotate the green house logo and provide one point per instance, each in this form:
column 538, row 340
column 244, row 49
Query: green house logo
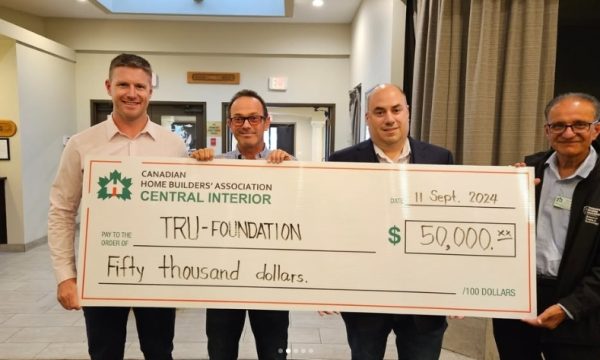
column 115, row 185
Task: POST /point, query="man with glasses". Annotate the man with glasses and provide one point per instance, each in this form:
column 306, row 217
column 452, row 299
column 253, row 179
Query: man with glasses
column 248, row 119
column 568, row 241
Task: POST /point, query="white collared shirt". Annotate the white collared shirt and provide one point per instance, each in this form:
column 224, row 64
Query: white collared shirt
column 404, row 157
column 65, row 194
column 553, row 216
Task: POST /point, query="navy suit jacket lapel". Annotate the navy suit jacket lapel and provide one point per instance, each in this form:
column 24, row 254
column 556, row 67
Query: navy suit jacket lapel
column 415, row 152
column 367, row 152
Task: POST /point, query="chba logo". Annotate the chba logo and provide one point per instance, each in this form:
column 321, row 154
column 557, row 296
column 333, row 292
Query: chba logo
column 115, row 185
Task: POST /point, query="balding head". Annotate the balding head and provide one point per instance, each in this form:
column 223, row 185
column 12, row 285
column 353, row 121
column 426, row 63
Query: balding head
column 387, row 117
column 379, row 87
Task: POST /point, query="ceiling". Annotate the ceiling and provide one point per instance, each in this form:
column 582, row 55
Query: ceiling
column 333, row 11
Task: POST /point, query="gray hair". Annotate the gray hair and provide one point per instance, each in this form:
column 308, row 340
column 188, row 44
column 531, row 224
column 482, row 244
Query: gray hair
column 577, row 96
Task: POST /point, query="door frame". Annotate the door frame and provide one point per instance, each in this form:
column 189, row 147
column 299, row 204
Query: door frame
column 95, row 104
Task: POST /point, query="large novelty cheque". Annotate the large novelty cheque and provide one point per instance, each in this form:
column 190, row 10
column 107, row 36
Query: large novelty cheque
column 418, row 239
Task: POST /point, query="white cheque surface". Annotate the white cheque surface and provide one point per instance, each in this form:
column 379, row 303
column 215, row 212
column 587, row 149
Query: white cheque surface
column 418, row 239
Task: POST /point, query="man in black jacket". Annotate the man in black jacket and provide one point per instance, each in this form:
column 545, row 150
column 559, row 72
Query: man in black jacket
column 567, row 241
column 417, row 337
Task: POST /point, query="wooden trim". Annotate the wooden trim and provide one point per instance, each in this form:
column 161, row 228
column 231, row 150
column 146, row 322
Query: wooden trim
column 230, row 78
column 8, row 128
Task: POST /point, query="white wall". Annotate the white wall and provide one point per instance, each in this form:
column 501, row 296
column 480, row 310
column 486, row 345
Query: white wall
column 398, row 42
column 12, row 170
column 47, row 112
column 371, row 43
column 37, row 92
column 201, row 37
column 29, row 22
column 314, row 58
column 378, row 45
column 305, row 81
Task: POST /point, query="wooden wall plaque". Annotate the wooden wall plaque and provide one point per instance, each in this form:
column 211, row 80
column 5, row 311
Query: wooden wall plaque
column 213, row 78
column 7, row 128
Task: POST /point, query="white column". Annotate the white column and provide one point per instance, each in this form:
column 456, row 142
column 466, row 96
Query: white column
column 318, row 142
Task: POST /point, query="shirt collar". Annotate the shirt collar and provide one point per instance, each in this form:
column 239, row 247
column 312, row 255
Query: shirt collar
column 112, row 130
column 261, row 155
column 402, row 159
column 583, row 170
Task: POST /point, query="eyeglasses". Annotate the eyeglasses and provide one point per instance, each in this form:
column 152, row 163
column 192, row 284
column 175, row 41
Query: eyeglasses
column 240, row 120
column 576, row 127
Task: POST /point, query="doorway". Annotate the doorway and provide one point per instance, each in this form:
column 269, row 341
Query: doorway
column 186, row 119
column 281, row 136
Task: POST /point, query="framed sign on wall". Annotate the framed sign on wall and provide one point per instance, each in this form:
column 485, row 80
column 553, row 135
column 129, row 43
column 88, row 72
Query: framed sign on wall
column 4, row 149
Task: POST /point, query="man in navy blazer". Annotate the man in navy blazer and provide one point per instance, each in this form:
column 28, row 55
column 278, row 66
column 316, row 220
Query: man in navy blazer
column 417, row 336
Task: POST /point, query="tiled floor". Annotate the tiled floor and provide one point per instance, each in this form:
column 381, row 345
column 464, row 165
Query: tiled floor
column 34, row 326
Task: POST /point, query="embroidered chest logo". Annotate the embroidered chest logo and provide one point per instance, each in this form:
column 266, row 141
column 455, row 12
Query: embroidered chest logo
column 592, row 215
column 115, row 185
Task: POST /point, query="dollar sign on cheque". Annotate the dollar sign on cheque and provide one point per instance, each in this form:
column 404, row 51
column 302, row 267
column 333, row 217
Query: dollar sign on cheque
column 394, row 232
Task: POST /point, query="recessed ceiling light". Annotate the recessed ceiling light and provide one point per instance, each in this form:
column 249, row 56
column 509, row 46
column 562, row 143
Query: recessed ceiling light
column 317, row 3
column 81, row 0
